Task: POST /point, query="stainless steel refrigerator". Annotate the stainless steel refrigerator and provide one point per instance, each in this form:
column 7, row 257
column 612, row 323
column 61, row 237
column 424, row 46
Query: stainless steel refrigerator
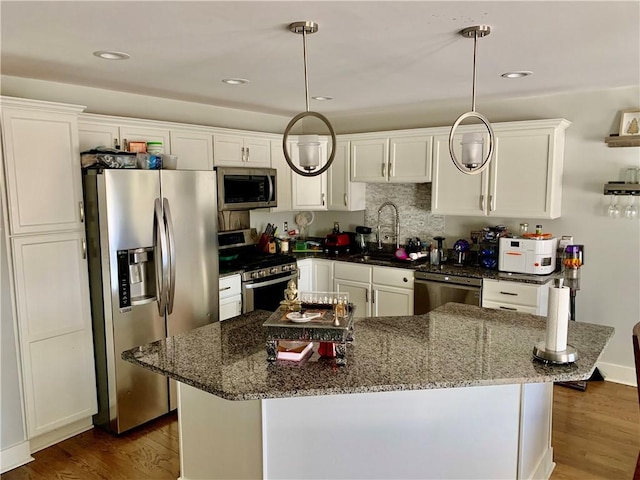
column 153, row 269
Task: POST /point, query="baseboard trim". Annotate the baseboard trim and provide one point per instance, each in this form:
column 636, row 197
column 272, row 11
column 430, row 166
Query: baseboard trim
column 618, row 373
column 546, row 466
column 59, row 434
column 15, row 456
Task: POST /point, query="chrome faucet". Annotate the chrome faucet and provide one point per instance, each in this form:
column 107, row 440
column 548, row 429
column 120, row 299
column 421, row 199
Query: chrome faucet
column 397, row 224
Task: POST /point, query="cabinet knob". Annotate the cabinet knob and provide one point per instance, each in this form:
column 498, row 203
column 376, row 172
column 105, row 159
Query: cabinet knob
column 405, row 279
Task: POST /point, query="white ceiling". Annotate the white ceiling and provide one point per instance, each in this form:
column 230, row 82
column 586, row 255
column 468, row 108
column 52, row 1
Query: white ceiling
column 368, row 55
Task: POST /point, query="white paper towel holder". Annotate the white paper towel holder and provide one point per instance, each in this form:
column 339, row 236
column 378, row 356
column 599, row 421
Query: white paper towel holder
column 547, row 355
column 569, row 355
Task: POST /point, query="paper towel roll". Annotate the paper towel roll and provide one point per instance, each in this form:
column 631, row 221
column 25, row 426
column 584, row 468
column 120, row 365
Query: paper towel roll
column 557, row 319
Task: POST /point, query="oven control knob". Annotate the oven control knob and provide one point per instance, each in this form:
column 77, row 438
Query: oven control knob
column 254, row 275
column 273, row 270
column 262, row 273
column 285, row 268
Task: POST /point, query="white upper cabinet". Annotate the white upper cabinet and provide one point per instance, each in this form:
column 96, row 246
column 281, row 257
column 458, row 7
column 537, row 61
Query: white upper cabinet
column 283, row 186
column 194, row 149
column 524, row 179
column 344, row 194
column 392, row 157
column 92, row 135
column 309, row 193
column 42, row 162
column 241, row 151
column 410, row 159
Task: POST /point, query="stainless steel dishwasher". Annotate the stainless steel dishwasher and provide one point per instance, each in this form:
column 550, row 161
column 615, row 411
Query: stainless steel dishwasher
column 434, row 289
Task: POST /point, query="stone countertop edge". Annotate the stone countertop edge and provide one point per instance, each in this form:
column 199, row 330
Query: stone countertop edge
column 454, row 346
column 422, row 266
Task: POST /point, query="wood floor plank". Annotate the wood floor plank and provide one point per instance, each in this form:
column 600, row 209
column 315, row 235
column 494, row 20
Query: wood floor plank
column 596, row 436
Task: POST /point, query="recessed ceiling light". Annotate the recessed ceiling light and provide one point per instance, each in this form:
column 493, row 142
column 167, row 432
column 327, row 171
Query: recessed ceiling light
column 322, row 98
column 518, row 74
column 111, row 55
column 235, row 81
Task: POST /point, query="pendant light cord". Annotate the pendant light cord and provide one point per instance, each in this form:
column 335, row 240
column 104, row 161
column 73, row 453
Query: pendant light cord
column 306, row 77
column 473, row 89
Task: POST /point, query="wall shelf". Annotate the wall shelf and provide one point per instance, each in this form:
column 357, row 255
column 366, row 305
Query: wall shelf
column 623, row 141
column 621, row 188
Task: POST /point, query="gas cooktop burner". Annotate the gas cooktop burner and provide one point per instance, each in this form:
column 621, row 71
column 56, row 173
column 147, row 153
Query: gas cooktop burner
column 260, row 265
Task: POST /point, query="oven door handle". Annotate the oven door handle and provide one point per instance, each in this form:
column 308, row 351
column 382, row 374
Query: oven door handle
column 250, row 286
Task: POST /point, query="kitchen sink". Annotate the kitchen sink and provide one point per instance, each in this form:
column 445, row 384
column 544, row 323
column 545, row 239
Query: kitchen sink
column 387, row 257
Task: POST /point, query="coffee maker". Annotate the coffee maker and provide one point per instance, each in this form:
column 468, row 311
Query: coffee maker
column 362, row 237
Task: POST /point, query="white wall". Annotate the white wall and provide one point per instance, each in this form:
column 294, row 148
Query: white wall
column 610, row 287
column 611, row 275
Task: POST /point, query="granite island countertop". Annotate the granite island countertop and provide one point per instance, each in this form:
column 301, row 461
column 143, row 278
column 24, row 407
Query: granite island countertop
column 455, row 345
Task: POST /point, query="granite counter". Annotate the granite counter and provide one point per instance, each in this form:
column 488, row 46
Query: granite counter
column 454, row 393
column 455, row 345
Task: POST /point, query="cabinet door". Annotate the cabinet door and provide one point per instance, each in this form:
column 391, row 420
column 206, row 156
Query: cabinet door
column 42, row 156
column 410, row 159
column 343, row 194
column 521, row 175
column 228, row 150
column 283, row 187
column 230, row 307
column 309, row 193
column 359, row 295
column 194, row 150
column 322, row 275
column 369, row 160
column 92, row 135
column 452, row 192
column 305, row 275
column 52, row 294
column 392, row 301
column 145, row 134
column 257, row 152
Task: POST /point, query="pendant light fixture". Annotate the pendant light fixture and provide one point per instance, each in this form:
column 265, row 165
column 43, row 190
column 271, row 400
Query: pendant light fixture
column 472, row 143
column 308, row 145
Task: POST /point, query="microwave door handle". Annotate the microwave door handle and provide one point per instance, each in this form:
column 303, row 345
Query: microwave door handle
column 160, row 256
column 172, row 255
column 270, row 184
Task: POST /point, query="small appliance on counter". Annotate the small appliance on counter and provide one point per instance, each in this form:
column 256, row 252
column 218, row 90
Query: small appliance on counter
column 337, row 242
column 527, row 255
column 460, row 251
column 362, row 237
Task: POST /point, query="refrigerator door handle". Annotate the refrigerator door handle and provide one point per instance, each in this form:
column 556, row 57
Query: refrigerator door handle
column 161, row 257
column 172, row 255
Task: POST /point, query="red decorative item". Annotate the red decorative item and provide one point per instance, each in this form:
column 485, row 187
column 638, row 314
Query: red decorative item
column 327, row 349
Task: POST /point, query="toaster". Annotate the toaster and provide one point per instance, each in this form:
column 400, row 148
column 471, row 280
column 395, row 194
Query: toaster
column 334, row 240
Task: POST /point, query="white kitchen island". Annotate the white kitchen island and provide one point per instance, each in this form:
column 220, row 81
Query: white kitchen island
column 451, row 394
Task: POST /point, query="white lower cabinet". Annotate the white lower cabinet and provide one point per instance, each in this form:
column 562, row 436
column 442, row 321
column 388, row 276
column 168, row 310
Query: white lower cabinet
column 52, row 296
column 515, row 296
column 392, row 291
column 375, row 291
column 315, row 275
column 230, row 296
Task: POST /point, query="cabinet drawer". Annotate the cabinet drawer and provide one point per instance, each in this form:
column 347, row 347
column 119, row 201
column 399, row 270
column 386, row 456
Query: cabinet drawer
column 510, row 292
column 352, row 271
column 230, row 286
column 393, row 277
column 510, row 307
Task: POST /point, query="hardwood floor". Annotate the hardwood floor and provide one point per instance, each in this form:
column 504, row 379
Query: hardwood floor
column 595, row 437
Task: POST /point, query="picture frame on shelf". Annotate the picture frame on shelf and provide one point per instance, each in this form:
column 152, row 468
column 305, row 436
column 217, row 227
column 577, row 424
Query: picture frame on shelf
column 629, row 122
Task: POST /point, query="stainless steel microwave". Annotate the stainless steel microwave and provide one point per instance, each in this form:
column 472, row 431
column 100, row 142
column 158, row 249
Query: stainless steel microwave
column 245, row 188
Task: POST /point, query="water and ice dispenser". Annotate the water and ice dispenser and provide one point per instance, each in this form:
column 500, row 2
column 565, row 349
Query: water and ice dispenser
column 136, row 276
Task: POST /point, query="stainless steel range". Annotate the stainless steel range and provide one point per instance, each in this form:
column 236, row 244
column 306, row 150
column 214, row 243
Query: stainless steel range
column 264, row 276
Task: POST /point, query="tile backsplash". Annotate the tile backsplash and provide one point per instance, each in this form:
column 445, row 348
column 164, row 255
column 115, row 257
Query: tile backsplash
column 414, row 207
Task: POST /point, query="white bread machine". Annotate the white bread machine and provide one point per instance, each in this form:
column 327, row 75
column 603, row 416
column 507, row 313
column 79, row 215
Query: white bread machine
column 527, row 255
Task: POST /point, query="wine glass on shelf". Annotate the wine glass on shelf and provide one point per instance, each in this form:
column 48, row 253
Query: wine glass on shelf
column 631, row 211
column 614, row 209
